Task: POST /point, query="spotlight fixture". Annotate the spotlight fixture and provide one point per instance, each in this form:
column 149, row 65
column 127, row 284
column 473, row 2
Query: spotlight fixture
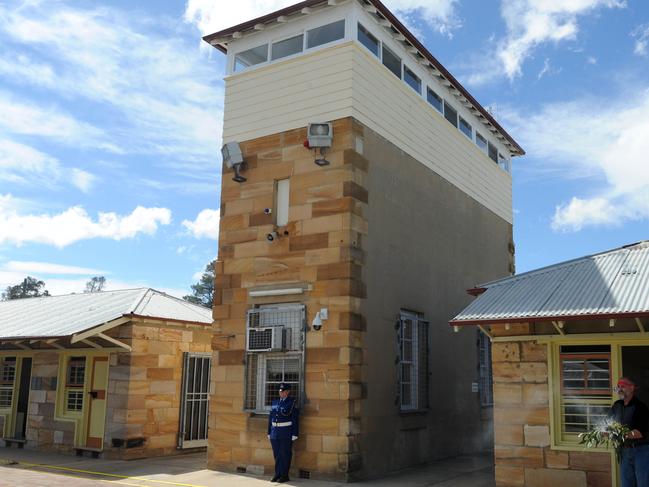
column 320, row 136
column 272, row 236
column 233, row 158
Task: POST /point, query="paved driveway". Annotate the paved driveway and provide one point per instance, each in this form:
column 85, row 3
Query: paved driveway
column 28, row 468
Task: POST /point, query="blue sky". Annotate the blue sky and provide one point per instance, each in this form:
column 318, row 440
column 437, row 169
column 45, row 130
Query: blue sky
column 111, row 123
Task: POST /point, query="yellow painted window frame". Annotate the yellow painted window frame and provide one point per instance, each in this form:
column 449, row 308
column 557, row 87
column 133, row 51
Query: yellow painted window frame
column 79, row 418
column 10, row 413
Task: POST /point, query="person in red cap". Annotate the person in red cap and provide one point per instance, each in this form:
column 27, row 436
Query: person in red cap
column 633, row 413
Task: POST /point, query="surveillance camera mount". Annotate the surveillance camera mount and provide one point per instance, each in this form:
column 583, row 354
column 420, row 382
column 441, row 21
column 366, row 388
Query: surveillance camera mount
column 237, row 173
column 321, row 161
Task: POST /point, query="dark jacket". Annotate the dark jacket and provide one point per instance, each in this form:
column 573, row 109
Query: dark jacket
column 283, row 412
column 635, row 416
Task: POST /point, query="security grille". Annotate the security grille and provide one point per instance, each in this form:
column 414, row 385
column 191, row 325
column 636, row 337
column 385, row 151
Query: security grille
column 266, row 370
column 7, row 377
column 74, row 401
column 412, row 339
column 484, row 373
column 194, row 407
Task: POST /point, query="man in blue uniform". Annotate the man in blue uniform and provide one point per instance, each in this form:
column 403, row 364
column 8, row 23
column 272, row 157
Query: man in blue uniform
column 283, row 431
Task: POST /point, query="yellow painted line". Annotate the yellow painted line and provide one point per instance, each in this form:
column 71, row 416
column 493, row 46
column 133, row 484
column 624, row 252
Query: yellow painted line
column 61, row 474
column 90, row 472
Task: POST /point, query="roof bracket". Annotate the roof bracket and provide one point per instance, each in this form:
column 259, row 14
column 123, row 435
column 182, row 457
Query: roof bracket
column 484, row 330
column 114, row 341
column 558, row 325
column 638, row 322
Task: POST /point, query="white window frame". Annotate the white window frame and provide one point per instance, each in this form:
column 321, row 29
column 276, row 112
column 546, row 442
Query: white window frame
column 263, row 63
column 330, row 43
column 261, row 377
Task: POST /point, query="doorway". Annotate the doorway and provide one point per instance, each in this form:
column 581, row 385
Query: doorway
column 635, row 366
column 22, row 403
column 97, row 403
column 195, row 400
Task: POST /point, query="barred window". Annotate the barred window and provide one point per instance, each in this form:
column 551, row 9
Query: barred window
column 7, row 378
column 484, row 363
column 275, row 354
column 413, row 361
column 585, row 387
column 74, row 381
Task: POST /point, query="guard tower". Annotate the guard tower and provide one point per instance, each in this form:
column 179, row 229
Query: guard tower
column 363, row 190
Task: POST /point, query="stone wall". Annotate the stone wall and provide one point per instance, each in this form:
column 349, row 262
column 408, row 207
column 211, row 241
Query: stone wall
column 522, row 426
column 43, row 431
column 144, row 389
column 322, row 249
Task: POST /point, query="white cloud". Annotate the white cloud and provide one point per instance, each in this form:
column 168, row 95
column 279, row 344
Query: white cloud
column 604, row 142
column 591, row 60
column 206, row 224
column 531, row 23
column 213, row 15
column 22, row 164
column 641, row 34
column 50, row 268
column 161, row 93
column 74, row 224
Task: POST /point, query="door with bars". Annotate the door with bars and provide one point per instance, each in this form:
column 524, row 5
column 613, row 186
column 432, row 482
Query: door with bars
column 195, row 400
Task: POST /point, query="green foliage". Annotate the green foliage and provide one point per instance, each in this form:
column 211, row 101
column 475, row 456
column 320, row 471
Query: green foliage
column 29, row 288
column 610, row 434
column 95, row 284
column 203, row 290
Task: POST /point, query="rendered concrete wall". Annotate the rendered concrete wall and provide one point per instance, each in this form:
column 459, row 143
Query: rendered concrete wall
column 427, row 243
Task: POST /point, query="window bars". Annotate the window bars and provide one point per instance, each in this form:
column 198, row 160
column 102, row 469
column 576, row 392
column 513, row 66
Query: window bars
column 484, row 370
column 412, row 339
column 7, row 377
column 194, row 405
column 275, row 353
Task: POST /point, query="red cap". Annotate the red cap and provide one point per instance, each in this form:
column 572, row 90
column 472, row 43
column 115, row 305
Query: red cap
column 625, row 383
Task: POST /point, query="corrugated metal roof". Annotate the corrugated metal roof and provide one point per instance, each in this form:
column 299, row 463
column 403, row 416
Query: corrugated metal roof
column 612, row 283
column 58, row 316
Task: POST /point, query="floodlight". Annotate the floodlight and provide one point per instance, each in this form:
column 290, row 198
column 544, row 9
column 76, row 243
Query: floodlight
column 233, row 158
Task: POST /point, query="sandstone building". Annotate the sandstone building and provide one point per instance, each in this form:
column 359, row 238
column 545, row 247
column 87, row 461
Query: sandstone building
column 340, row 259
column 122, row 374
column 562, row 336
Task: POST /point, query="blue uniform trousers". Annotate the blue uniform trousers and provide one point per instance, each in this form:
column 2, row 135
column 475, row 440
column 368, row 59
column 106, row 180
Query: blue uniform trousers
column 283, row 453
column 634, row 467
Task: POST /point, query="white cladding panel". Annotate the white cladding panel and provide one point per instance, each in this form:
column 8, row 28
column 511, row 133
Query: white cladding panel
column 343, row 81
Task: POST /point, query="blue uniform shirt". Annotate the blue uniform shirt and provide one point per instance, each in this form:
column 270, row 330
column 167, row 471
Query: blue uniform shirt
column 283, row 419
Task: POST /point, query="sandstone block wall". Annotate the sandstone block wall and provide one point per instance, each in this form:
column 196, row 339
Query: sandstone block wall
column 144, row 391
column 522, row 426
column 323, row 249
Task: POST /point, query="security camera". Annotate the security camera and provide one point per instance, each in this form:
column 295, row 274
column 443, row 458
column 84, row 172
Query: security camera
column 233, row 159
column 317, row 322
column 268, row 211
column 272, row 236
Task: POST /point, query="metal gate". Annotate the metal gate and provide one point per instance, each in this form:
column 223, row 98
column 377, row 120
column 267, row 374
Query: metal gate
column 195, row 400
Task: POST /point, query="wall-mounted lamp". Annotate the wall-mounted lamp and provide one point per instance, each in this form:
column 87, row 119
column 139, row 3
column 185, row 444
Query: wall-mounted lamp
column 233, row 159
column 320, row 136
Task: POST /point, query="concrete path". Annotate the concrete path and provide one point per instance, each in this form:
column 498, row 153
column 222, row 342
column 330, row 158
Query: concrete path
column 29, row 468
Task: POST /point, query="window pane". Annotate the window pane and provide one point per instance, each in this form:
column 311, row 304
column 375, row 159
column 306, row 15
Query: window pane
column 481, row 142
column 493, row 152
column 282, row 198
column 368, row 40
column 503, row 162
column 326, row 33
column 465, row 128
column 450, row 114
column 412, row 79
column 287, row 47
column 392, row 62
column 8, row 370
column 253, row 56
column 5, row 397
column 76, row 371
column 435, row 100
column 74, row 401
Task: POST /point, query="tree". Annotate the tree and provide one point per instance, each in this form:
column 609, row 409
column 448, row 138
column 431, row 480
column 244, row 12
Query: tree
column 29, row 288
column 95, row 284
column 203, row 290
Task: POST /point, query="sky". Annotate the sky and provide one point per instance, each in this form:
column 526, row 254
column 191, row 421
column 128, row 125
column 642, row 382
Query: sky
column 111, row 120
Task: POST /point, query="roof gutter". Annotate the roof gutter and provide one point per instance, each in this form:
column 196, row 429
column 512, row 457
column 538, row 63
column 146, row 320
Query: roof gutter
column 528, row 319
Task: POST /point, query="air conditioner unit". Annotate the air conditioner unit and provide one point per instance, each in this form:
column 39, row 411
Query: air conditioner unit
column 269, row 339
